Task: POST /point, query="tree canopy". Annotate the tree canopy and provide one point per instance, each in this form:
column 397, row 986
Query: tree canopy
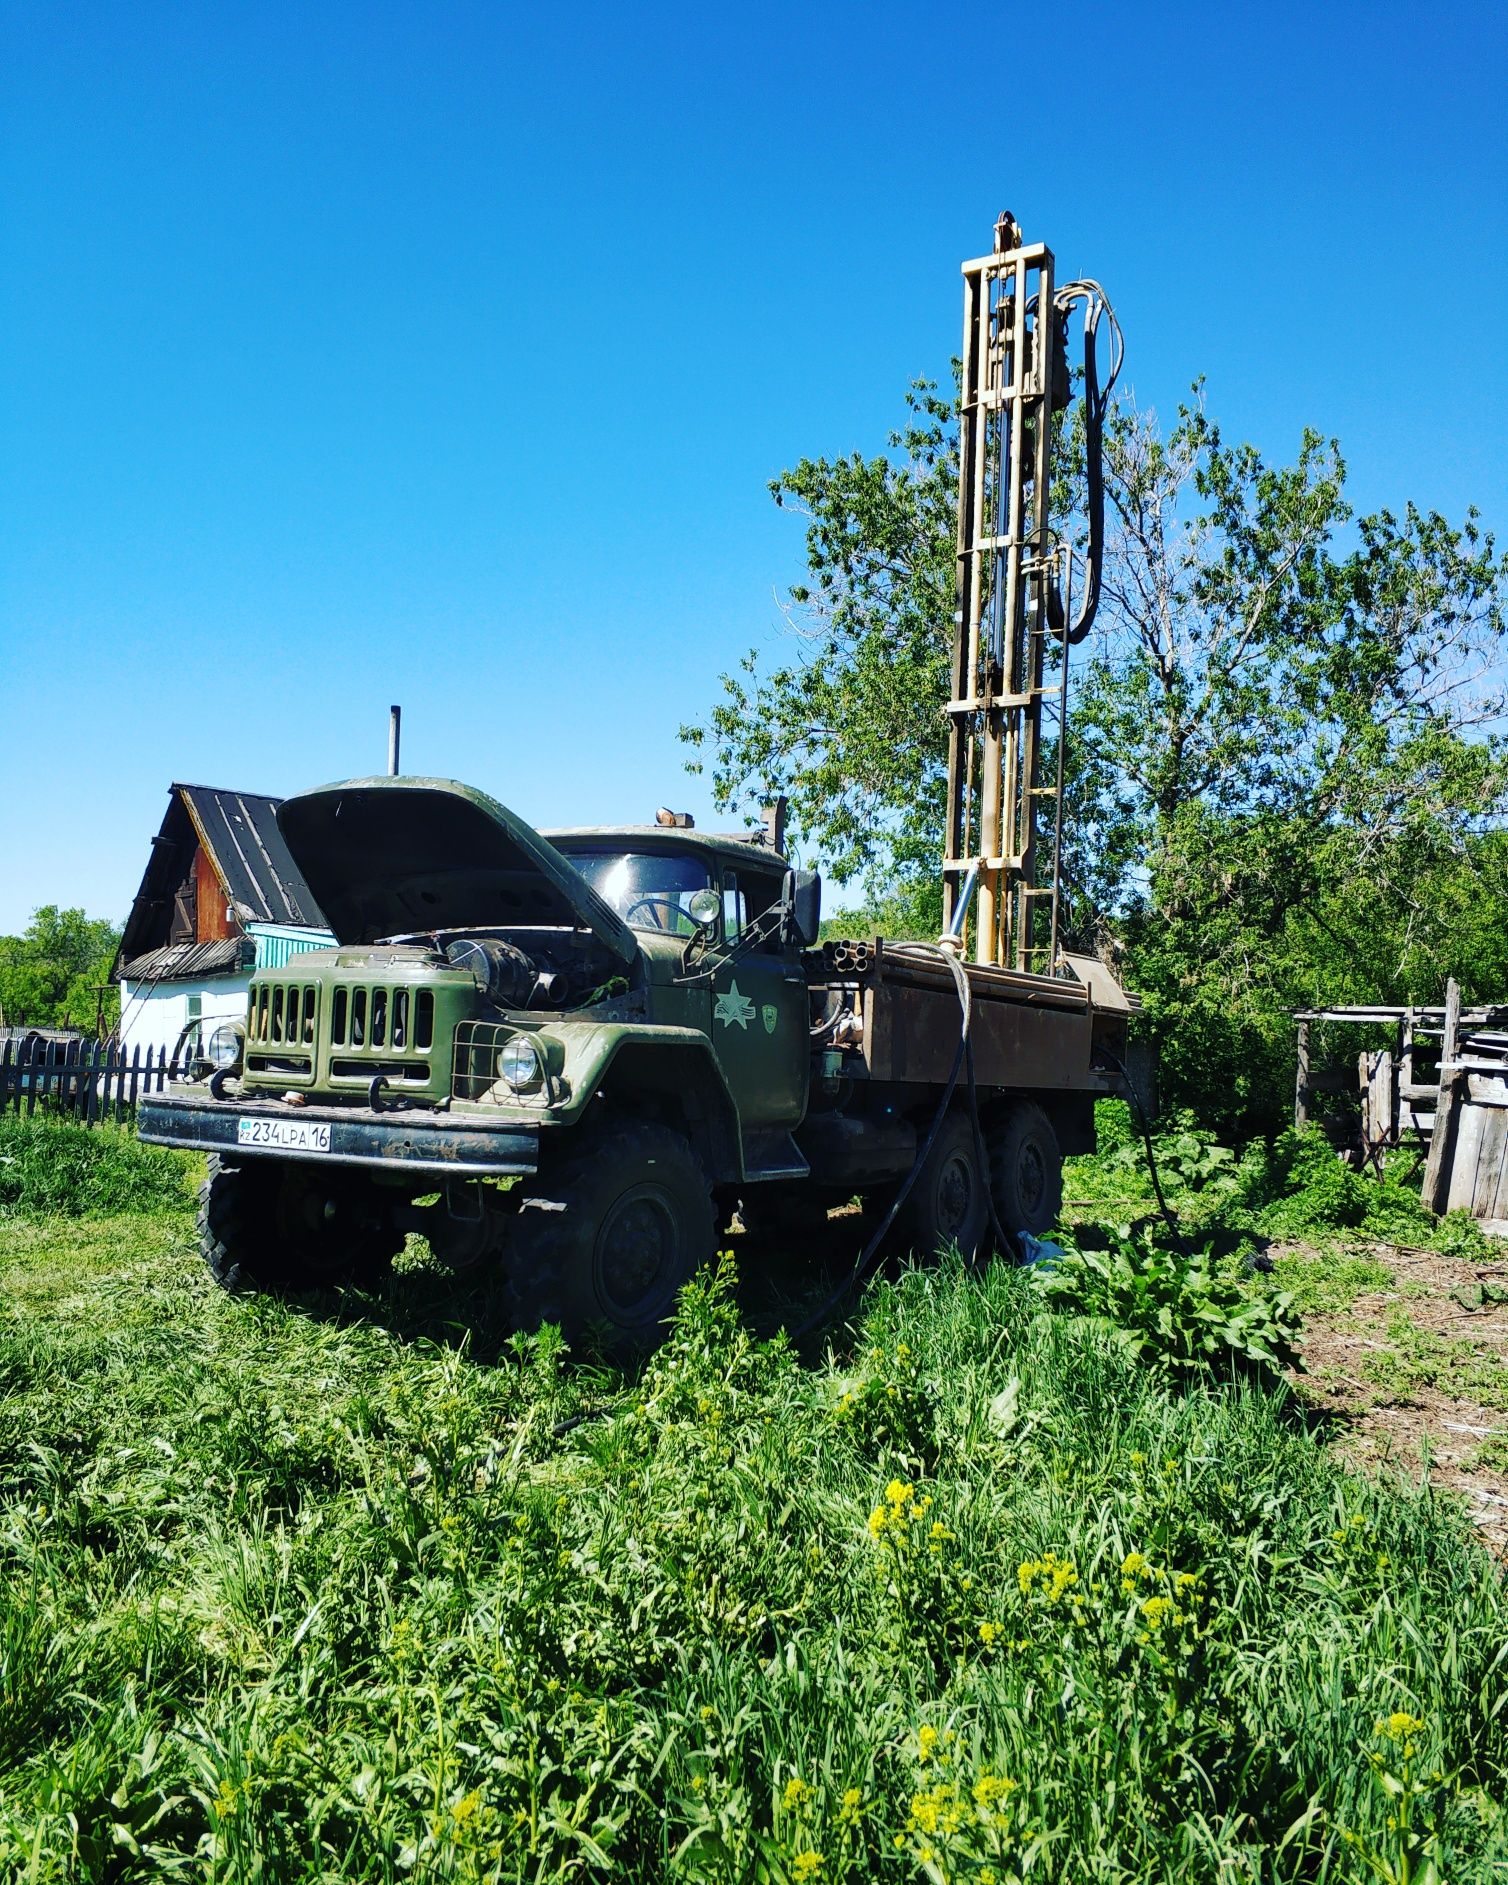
column 1286, row 771
column 51, row 974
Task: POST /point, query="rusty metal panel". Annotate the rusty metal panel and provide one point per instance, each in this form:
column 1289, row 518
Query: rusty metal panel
column 911, row 1034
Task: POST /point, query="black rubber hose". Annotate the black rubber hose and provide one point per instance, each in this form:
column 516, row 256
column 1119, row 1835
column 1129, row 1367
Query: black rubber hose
column 1146, row 1138
column 1094, row 478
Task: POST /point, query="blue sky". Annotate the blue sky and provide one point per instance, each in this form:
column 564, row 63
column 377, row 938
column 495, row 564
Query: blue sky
column 442, row 354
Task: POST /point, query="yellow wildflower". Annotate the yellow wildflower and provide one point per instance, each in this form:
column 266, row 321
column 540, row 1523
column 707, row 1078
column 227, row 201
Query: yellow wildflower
column 898, row 1493
column 1156, row 1608
column 1135, row 1565
column 805, row 1865
column 988, row 1632
column 926, row 1741
column 1399, row 1725
column 990, row 1790
column 467, row 1807
column 853, row 1800
column 797, row 1793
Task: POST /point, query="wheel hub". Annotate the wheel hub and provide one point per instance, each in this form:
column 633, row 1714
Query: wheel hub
column 636, row 1247
column 955, row 1195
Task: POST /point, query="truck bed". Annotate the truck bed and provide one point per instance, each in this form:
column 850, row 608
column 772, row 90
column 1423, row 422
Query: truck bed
column 1035, row 1031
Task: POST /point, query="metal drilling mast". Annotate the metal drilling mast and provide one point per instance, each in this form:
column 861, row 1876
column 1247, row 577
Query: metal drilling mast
column 1011, row 630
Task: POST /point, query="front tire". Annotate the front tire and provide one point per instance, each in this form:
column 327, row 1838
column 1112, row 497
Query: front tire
column 264, row 1224
column 608, row 1235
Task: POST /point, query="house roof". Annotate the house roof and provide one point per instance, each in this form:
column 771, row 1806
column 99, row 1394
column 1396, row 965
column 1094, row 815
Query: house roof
column 239, row 834
column 239, row 831
column 190, row 962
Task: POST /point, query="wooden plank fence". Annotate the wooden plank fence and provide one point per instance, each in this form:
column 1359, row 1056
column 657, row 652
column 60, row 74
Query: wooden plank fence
column 88, row 1081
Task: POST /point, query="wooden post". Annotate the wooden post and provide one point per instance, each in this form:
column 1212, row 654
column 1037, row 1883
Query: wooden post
column 5, row 1081
column 1301, row 1087
column 1436, row 1188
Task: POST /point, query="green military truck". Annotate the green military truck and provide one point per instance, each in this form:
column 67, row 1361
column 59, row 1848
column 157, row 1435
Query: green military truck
column 573, row 1055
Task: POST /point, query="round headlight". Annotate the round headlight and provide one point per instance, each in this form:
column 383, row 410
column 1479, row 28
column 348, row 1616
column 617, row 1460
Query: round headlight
column 224, row 1048
column 520, row 1064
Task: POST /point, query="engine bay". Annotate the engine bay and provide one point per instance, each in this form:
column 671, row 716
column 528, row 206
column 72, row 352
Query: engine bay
column 540, row 970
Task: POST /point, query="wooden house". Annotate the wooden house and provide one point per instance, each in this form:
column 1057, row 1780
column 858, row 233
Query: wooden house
column 220, row 896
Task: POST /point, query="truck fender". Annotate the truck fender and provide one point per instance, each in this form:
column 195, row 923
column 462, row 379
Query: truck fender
column 673, row 1075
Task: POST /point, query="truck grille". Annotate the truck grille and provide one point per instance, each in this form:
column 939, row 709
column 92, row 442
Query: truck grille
column 376, row 1028
column 280, row 1021
column 382, row 1021
column 282, row 1014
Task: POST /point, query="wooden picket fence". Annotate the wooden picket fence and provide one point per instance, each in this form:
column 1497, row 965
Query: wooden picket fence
column 88, row 1081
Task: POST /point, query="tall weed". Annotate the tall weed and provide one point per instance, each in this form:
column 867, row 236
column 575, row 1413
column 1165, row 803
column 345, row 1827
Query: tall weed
column 305, row 1593
column 57, row 1167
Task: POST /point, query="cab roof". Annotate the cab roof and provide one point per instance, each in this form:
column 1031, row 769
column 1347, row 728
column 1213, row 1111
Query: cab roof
column 733, row 847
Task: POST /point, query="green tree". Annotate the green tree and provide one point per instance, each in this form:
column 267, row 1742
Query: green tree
column 1284, row 778
column 849, row 725
column 1286, row 751
column 51, row 974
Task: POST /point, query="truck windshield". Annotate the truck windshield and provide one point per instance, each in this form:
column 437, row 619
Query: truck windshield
column 648, row 890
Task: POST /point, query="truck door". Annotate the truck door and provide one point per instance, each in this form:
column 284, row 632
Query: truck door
column 760, row 1023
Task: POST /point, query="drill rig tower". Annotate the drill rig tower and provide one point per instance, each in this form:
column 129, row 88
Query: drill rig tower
column 1008, row 710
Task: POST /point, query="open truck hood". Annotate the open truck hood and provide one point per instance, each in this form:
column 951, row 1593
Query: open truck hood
column 385, row 856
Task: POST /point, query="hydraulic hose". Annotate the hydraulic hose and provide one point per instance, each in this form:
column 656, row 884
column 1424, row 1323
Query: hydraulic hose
column 1096, row 407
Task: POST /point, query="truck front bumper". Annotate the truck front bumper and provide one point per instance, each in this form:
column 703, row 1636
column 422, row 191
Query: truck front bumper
column 387, row 1141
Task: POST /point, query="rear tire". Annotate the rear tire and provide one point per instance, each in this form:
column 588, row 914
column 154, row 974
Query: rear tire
column 269, row 1225
column 948, row 1204
column 1026, row 1169
column 609, row 1234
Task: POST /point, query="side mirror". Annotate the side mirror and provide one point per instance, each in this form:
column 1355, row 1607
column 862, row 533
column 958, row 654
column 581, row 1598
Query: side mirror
column 806, row 906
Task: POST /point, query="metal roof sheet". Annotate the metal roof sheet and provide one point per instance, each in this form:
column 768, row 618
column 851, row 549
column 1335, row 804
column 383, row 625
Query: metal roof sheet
column 239, row 830
column 190, row 962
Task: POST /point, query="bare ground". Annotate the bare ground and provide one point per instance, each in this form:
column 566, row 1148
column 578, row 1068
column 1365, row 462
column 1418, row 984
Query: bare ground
column 1415, row 1377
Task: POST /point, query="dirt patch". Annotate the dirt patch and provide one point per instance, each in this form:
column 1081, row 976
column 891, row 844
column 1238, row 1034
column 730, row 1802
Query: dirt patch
column 1416, row 1377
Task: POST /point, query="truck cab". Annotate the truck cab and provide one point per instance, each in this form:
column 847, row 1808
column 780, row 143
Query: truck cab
column 509, row 1020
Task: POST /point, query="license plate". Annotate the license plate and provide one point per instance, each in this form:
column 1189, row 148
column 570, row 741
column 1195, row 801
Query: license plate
column 287, row 1135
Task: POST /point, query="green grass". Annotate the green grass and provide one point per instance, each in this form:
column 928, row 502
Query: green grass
column 1418, row 1358
column 56, row 1167
column 331, row 1590
column 1292, row 1190
column 1325, row 1284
